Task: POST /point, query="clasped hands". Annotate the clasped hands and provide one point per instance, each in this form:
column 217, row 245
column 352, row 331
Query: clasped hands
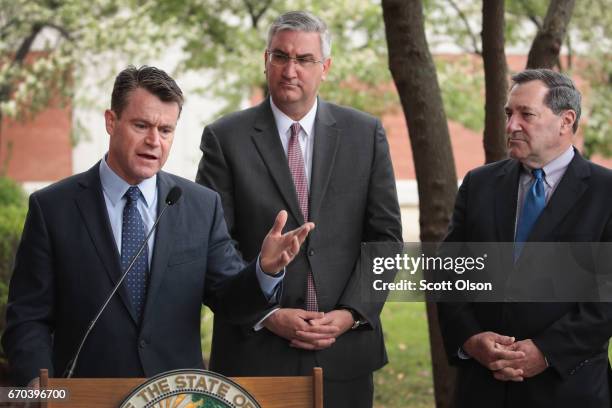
column 309, row 330
column 509, row 360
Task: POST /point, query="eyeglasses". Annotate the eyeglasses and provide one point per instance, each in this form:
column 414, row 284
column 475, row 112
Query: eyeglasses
column 280, row 60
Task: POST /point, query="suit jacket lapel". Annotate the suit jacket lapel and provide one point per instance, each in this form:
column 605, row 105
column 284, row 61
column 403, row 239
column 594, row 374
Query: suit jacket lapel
column 164, row 240
column 571, row 187
column 506, row 196
column 326, row 138
column 92, row 208
column 265, row 137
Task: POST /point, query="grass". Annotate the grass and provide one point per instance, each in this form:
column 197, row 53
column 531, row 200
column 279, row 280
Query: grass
column 407, row 380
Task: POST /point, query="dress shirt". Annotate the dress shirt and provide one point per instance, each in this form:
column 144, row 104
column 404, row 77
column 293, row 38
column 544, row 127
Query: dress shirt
column 553, row 172
column 306, row 136
column 114, row 189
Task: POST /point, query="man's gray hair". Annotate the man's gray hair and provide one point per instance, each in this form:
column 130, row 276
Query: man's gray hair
column 562, row 93
column 302, row 21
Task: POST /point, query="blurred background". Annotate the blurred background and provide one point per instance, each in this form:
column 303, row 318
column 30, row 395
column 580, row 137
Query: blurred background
column 58, row 60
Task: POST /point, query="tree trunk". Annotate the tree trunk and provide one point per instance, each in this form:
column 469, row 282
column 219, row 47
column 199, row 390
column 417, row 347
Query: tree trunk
column 415, row 77
column 546, row 46
column 496, row 81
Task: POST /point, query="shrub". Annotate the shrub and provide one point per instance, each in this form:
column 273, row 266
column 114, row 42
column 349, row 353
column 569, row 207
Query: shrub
column 13, row 210
column 11, row 193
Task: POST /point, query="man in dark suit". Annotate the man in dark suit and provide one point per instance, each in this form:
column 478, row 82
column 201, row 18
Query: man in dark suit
column 82, row 232
column 324, row 163
column 533, row 354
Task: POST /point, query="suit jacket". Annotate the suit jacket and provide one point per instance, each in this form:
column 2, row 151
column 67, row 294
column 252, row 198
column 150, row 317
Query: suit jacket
column 572, row 336
column 352, row 199
column 67, row 263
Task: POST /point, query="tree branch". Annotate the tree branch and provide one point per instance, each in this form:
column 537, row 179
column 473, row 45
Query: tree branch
column 466, row 23
column 60, row 29
column 546, row 46
column 256, row 14
column 531, row 14
column 26, row 44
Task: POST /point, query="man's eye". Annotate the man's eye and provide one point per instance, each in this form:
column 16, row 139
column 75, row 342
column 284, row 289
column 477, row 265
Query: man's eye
column 281, row 57
column 305, row 61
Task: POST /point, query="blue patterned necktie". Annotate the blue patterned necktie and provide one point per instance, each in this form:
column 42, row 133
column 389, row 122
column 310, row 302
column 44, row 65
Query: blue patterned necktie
column 132, row 236
column 534, row 203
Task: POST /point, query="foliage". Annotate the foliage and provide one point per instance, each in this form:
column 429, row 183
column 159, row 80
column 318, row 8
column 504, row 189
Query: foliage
column 46, row 45
column 12, row 215
column 463, row 90
column 227, row 39
column 589, row 39
column 598, row 124
column 593, row 28
column 11, row 193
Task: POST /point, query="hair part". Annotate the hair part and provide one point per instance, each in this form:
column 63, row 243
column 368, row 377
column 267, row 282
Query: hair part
column 152, row 79
column 562, row 92
column 302, row 21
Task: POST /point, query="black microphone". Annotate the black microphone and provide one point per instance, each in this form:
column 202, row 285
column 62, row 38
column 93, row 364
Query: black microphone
column 173, row 196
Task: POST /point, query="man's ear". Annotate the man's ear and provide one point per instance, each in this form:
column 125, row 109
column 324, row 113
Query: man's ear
column 326, row 67
column 265, row 61
column 110, row 119
column 568, row 118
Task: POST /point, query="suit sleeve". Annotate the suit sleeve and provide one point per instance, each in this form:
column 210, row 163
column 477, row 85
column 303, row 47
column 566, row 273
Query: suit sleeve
column 457, row 320
column 214, row 173
column 579, row 335
column 232, row 289
column 27, row 340
column 382, row 222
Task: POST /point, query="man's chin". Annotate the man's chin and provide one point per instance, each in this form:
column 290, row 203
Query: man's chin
column 516, row 154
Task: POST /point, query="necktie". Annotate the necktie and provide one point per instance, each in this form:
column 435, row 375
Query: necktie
column 534, row 203
column 296, row 167
column 132, row 236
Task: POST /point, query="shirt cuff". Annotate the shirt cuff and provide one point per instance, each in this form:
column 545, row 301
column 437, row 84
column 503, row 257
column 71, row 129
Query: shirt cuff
column 259, row 325
column 268, row 283
column 462, row 354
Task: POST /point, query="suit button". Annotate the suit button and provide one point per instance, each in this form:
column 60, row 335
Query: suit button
column 143, row 343
column 311, row 252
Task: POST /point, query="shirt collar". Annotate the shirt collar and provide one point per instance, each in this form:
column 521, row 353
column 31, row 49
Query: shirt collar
column 555, row 169
column 115, row 187
column 284, row 122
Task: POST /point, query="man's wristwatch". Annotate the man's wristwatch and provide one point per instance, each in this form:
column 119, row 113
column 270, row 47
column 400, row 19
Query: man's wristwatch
column 357, row 320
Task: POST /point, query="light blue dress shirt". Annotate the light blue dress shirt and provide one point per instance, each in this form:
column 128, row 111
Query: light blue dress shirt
column 114, row 189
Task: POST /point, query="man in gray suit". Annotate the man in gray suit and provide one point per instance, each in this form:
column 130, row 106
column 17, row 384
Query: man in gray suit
column 323, row 163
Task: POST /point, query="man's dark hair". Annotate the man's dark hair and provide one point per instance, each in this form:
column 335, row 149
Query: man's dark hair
column 562, row 93
column 151, row 79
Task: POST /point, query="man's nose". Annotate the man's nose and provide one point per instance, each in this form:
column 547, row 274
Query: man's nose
column 153, row 137
column 290, row 69
column 512, row 124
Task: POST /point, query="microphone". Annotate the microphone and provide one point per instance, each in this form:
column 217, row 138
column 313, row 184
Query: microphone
column 173, row 196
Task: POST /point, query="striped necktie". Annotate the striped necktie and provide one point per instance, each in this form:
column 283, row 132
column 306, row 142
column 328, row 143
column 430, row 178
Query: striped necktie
column 296, row 167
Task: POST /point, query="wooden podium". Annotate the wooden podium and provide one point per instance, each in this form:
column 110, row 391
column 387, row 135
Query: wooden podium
column 270, row 392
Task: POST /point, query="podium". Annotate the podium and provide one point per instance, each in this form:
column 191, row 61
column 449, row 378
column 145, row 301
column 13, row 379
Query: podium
column 270, row 392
